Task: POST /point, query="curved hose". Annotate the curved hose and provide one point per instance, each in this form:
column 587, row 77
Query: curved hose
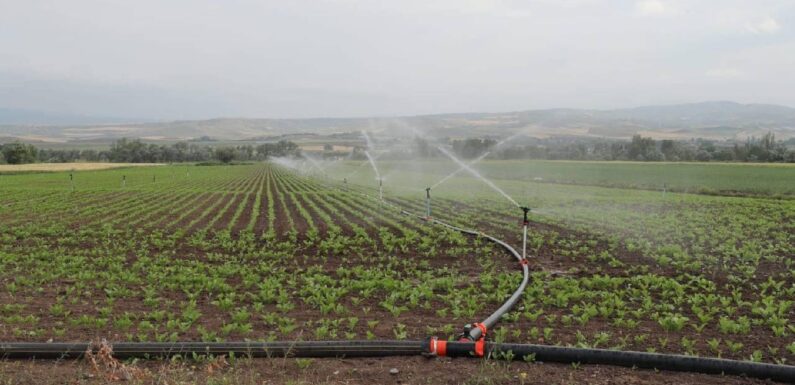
column 383, row 348
column 476, row 333
column 490, row 321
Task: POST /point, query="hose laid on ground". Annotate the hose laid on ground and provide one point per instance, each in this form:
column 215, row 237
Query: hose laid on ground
column 476, row 333
column 368, row 348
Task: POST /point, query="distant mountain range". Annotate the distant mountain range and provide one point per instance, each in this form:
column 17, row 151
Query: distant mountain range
column 715, row 120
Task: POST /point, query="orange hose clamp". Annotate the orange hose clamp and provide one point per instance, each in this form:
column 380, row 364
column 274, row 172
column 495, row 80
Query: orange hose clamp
column 438, row 347
column 482, row 328
column 480, row 347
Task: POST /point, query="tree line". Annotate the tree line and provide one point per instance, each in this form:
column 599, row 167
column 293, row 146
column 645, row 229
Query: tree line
column 136, row 151
column 639, row 148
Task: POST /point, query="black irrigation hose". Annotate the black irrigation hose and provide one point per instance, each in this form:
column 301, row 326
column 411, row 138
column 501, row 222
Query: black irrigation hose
column 476, row 333
column 368, row 348
column 673, row 362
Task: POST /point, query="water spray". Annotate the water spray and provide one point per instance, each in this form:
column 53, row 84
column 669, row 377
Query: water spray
column 315, row 164
column 525, row 223
column 479, row 158
column 460, row 169
column 477, row 175
column 428, row 203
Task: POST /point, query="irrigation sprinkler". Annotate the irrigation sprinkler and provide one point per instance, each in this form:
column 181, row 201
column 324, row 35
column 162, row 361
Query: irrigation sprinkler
column 72, row 180
column 428, row 203
column 123, row 181
column 381, row 189
column 525, row 223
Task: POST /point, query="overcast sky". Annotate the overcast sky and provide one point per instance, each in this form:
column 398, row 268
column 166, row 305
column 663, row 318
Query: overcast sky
column 294, row 58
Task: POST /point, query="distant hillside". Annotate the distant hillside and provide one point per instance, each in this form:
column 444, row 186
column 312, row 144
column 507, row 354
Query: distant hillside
column 723, row 120
column 716, row 120
column 14, row 116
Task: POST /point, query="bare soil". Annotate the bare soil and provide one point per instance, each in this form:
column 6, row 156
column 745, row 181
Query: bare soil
column 410, row 370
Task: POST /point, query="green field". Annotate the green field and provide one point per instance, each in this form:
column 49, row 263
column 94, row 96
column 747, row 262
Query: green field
column 762, row 179
column 264, row 252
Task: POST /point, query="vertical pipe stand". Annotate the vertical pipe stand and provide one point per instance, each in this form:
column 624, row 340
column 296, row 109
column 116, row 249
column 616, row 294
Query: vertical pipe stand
column 428, row 203
column 525, row 223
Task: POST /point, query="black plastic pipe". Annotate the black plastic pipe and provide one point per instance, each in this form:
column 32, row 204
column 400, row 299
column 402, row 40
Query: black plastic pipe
column 673, row 362
column 384, row 348
column 357, row 348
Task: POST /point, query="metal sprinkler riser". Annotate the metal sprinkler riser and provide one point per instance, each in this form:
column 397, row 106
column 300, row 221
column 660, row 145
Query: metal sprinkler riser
column 428, row 203
column 525, row 223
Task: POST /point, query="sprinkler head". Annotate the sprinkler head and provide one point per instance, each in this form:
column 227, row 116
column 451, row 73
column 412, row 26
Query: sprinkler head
column 525, row 210
column 465, row 334
column 428, row 192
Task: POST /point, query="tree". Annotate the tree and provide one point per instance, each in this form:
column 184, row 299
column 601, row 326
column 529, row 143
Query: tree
column 669, row 148
column 279, row 149
column 641, row 148
column 472, row 147
column 421, row 147
column 19, row 153
column 225, row 154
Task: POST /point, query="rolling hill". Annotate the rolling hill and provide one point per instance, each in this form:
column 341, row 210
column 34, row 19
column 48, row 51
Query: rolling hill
column 715, row 120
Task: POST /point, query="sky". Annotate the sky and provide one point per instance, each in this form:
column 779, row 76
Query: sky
column 198, row 59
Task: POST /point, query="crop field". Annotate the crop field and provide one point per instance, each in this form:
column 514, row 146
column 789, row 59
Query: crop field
column 632, row 269
column 263, row 252
column 49, row 167
column 227, row 253
column 742, row 179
